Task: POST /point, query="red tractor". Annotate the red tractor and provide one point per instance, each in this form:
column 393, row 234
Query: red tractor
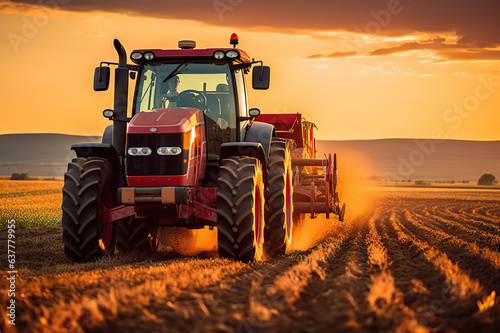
column 190, row 153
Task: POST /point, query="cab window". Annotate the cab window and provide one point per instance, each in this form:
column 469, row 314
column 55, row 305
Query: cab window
column 195, row 84
column 242, row 93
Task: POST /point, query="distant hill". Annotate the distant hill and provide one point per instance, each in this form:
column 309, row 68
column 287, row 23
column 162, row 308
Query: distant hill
column 415, row 159
column 48, row 154
column 38, row 154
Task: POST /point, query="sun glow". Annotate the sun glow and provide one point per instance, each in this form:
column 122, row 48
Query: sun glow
column 329, row 76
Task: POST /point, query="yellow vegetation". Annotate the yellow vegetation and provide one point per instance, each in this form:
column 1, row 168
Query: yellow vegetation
column 30, row 203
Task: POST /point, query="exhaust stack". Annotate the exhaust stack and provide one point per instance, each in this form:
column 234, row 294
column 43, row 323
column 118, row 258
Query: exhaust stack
column 121, row 100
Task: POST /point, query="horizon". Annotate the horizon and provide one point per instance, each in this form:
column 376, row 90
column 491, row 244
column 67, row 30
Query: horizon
column 354, row 139
column 47, row 154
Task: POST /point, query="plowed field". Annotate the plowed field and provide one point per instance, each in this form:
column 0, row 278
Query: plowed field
column 403, row 261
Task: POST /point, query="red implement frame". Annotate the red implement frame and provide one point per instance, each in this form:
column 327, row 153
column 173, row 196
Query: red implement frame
column 315, row 180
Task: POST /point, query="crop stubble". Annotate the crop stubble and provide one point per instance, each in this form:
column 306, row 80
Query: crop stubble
column 409, row 261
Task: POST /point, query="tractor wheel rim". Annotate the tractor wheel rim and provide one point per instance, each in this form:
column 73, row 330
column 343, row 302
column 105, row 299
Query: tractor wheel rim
column 106, row 203
column 258, row 217
column 288, row 206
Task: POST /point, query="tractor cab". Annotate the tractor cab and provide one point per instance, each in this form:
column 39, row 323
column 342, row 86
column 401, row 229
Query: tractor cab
column 203, row 89
column 211, row 80
column 209, row 85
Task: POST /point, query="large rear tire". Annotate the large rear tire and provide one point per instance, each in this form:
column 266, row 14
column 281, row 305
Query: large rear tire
column 240, row 207
column 89, row 192
column 138, row 236
column 279, row 200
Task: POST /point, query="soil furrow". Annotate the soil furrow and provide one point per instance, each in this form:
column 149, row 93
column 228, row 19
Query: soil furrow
column 475, row 239
column 479, row 263
column 471, row 225
column 386, row 301
column 456, row 305
column 339, row 292
column 421, row 283
column 461, row 283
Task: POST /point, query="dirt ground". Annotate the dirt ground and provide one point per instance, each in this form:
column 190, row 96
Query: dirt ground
column 403, row 261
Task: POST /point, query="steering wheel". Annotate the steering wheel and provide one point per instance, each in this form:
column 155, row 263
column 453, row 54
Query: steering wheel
column 198, row 97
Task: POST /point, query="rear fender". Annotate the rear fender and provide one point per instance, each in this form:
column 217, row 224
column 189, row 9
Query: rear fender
column 107, row 137
column 250, row 149
column 261, row 133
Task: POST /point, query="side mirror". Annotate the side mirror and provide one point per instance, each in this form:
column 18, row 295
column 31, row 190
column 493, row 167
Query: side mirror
column 254, row 112
column 260, row 77
column 101, row 78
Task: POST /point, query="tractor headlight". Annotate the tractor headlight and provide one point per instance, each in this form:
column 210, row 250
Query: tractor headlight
column 175, row 150
column 139, row 151
column 219, row 55
column 232, row 54
column 163, row 151
column 149, row 55
column 108, row 113
column 136, row 56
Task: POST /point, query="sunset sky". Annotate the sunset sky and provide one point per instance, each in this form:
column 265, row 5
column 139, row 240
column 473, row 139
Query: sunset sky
column 362, row 69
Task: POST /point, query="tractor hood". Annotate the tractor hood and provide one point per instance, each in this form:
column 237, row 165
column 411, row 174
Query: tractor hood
column 179, row 127
column 170, row 120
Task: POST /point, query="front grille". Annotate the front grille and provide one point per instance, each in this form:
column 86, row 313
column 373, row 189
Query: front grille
column 154, row 164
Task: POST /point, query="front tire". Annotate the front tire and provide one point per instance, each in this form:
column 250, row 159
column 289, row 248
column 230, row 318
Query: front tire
column 240, row 208
column 279, row 200
column 89, row 192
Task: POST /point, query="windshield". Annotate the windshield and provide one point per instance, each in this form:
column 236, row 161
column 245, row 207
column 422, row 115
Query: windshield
column 161, row 84
column 203, row 85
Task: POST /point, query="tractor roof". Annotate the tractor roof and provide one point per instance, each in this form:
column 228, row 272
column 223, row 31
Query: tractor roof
column 191, row 53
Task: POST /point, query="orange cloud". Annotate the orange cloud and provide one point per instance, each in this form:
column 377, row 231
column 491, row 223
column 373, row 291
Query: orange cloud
column 334, row 55
column 475, row 22
column 444, row 49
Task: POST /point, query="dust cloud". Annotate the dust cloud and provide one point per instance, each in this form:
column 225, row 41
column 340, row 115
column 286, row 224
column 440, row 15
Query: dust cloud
column 188, row 241
column 353, row 184
column 353, row 172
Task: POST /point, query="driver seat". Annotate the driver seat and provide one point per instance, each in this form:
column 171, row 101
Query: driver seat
column 213, row 104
